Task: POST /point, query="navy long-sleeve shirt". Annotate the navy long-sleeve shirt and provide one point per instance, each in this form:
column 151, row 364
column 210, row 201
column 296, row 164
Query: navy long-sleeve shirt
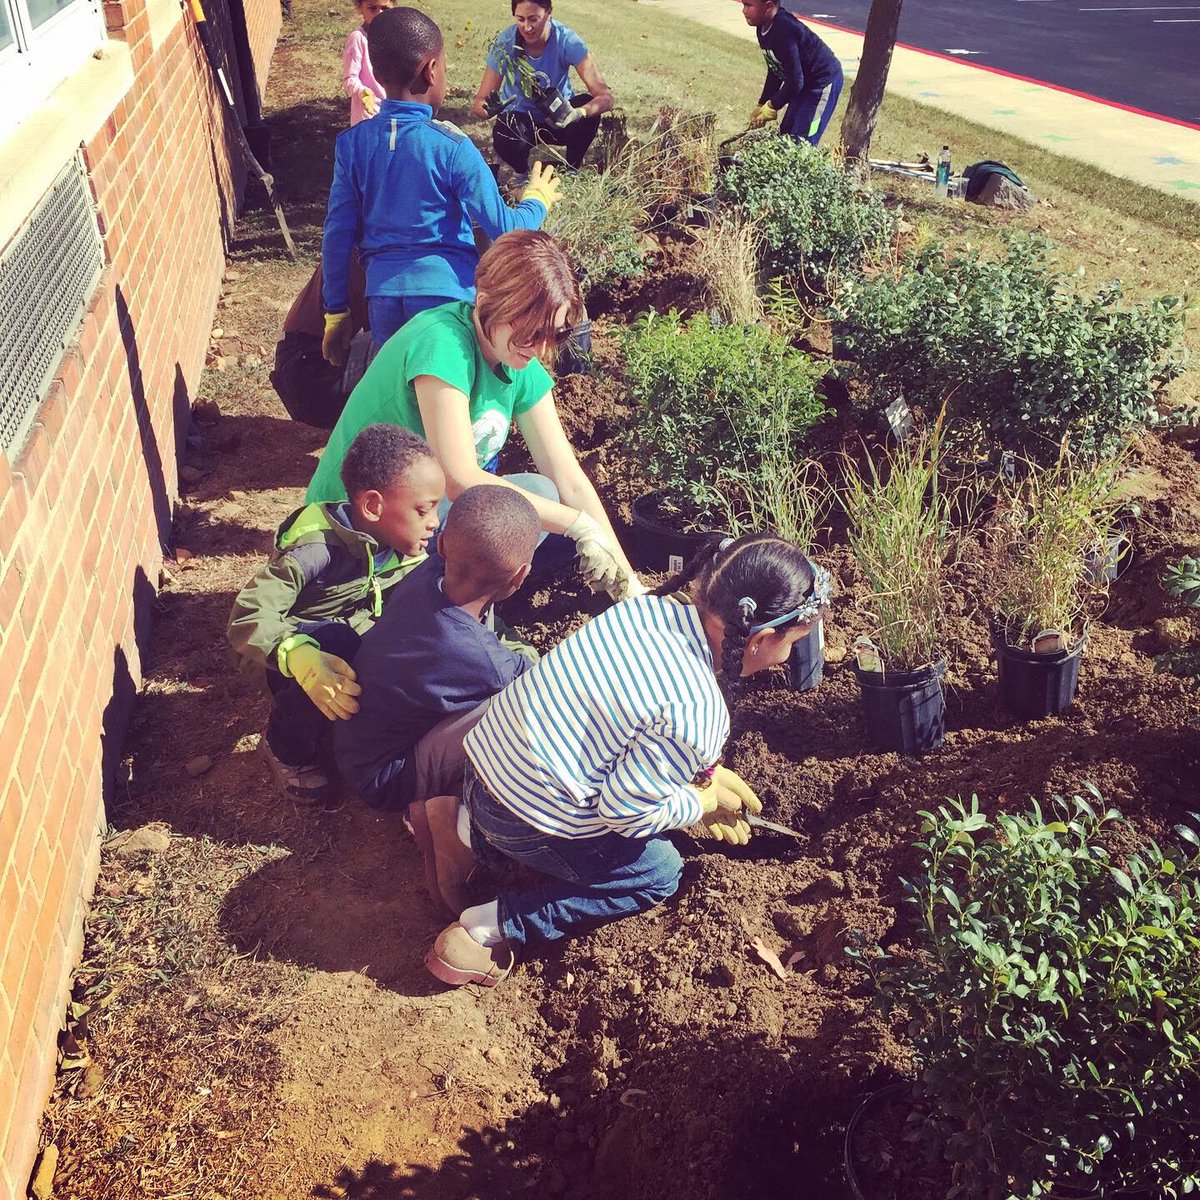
column 405, row 190
column 797, row 60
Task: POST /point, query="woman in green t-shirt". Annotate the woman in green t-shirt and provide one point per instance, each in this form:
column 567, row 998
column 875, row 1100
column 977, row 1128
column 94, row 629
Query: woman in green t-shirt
column 460, row 374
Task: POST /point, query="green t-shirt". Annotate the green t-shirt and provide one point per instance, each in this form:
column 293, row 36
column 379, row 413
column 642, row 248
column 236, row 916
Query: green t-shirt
column 440, row 342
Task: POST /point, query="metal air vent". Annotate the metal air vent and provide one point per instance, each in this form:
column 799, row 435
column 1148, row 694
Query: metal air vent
column 47, row 275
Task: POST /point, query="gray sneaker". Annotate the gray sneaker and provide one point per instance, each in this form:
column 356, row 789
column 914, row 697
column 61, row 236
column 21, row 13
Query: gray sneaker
column 307, row 784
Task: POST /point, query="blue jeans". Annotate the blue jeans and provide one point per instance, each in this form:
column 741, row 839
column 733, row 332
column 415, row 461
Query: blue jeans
column 554, row 550
column 808, row 115
column 296, row 725
column 590, row 881
column 387, row 313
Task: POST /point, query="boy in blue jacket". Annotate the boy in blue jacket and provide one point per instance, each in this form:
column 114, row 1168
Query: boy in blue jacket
column 803, row 74
column 432, row 662
column 406, row 189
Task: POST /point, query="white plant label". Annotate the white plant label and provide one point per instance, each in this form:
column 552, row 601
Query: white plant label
column 675, row 563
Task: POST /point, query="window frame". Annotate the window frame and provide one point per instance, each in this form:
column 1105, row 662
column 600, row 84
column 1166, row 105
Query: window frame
column 40, row 58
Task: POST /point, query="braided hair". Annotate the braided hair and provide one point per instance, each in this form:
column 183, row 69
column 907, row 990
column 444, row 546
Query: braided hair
column 752, row 579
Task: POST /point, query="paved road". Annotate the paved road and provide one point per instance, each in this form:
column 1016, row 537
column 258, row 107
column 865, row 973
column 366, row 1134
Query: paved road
column 1141, row 53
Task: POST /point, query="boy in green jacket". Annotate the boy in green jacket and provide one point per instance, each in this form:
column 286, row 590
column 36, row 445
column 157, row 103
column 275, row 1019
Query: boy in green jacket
column 297, row 624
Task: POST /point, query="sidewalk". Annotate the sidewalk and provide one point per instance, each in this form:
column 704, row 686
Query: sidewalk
column 1150, row 150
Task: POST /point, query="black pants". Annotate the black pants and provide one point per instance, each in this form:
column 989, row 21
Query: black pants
column 296, row 725
column 516, row 134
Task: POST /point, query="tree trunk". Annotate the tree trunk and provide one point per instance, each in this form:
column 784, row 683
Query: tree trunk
column 858, row 125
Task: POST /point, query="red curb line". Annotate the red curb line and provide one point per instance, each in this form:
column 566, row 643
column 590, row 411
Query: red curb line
column 1054, row 87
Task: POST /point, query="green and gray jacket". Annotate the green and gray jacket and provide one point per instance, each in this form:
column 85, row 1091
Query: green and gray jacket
column 322, row 569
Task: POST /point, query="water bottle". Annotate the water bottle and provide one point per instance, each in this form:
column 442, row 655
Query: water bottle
column 941, row 184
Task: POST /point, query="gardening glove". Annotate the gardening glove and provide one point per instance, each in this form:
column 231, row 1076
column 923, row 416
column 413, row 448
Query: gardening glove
column 336, row 342
column 328, row 681
column 370, row 101
column 763, row 114
column 732, row 791
column 627, row 587
column 717, row 821
column 568, row 116
column 543, row 185
column 599, row 563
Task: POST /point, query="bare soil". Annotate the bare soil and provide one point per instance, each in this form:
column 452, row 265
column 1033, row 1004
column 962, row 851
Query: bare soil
column 260, row 1021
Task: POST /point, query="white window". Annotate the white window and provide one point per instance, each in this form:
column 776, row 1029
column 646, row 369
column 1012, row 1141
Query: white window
column 41, row 43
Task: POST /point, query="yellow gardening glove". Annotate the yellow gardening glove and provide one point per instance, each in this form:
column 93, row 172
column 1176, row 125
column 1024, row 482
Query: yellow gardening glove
column 543, row 185
column 599, row 558
column 336, row 342
column 763, row 114
column 328, row 681
column 370, row 101
column 721, row 799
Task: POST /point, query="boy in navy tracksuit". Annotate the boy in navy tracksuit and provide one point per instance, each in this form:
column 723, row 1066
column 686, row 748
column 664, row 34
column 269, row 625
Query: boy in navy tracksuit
column 406, row 189
column 803, row 74
column 431, row 663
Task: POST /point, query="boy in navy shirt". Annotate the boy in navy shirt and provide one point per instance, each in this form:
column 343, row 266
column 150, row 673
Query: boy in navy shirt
column 803, row 74
column 406, row 189
column 431, row 663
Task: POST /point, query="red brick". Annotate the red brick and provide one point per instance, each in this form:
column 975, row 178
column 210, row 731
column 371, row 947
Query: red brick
column 34, row 456
column 53, row 880
column 12, row 808
column 34, row 744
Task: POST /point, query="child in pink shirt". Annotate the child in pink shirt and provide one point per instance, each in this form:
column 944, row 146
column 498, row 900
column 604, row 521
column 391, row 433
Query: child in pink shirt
column 358, row 79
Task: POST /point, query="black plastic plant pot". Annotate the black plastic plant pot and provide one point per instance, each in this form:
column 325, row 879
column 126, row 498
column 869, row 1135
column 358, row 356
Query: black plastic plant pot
column 806, row 666
column 894, row 1093
column 575, row 358
column 702, row 211
column 656, row 545
column 1036, row 685
column 905, row 711
column 1118, row 553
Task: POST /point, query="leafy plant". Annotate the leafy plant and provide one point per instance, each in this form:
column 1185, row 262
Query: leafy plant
column 599, row 220
column 684, row 160
column 721, row 408
column 1053, row 1002
column 1182, row 580
column 726, row 257
column 1018, row 355
column 1048, row 529
column 816, row 222
column 900, row 536
column 788, row 496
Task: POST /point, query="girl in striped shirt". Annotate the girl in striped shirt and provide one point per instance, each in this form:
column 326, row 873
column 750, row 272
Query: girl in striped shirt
column 582, row 765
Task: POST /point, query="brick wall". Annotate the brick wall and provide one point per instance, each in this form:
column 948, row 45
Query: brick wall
column 84, row 512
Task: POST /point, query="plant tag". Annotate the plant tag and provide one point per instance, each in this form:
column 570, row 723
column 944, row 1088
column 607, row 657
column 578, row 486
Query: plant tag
column 1008, row 467
column 675, row 563
column 867, row 655
column 900, row 418
column 1049, row 641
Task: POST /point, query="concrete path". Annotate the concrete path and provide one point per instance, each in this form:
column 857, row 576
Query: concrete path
column 1155, row 151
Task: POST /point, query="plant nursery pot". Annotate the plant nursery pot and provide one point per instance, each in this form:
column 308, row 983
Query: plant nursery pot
column 575, row 358
column 657, row 546
column 1036, row 685
column 806, row 665
column 905, row 711
column 893, row 1093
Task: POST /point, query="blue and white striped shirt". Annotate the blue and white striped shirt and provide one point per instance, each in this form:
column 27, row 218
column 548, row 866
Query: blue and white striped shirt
column 605, row 733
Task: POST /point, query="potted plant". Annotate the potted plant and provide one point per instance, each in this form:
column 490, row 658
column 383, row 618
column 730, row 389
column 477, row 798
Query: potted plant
column 789, row 497
column 900, row 535
column 706, row 397
column 1052, row 1001
column 1048, row 528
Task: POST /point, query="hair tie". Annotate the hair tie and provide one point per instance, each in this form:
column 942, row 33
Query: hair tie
column 749, row 607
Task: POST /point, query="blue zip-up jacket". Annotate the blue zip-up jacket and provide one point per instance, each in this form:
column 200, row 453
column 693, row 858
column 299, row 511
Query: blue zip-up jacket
column 405, row 191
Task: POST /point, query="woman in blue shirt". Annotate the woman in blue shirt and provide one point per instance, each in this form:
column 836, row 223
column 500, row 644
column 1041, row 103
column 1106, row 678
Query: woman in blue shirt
column 526, row 86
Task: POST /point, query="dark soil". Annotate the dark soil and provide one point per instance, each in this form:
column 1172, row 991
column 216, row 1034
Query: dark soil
column 657, row 1058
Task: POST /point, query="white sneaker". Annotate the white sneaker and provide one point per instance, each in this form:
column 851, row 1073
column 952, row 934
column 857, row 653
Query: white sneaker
column 307, row 784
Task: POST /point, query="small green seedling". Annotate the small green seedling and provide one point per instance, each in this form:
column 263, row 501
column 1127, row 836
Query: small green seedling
column 1182, row 580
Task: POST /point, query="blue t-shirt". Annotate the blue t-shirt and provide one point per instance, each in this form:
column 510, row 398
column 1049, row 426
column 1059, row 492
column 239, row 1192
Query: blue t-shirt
column 551, row 69
column 423, row 660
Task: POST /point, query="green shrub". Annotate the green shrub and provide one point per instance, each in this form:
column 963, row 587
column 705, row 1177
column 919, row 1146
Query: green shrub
column 816, row 223
column 1017, row 353
column 1182, row 580
column 1053, row 1003
column 719, row 407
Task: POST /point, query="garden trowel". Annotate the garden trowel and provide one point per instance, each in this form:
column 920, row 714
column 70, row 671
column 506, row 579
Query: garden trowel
column 765, row 826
